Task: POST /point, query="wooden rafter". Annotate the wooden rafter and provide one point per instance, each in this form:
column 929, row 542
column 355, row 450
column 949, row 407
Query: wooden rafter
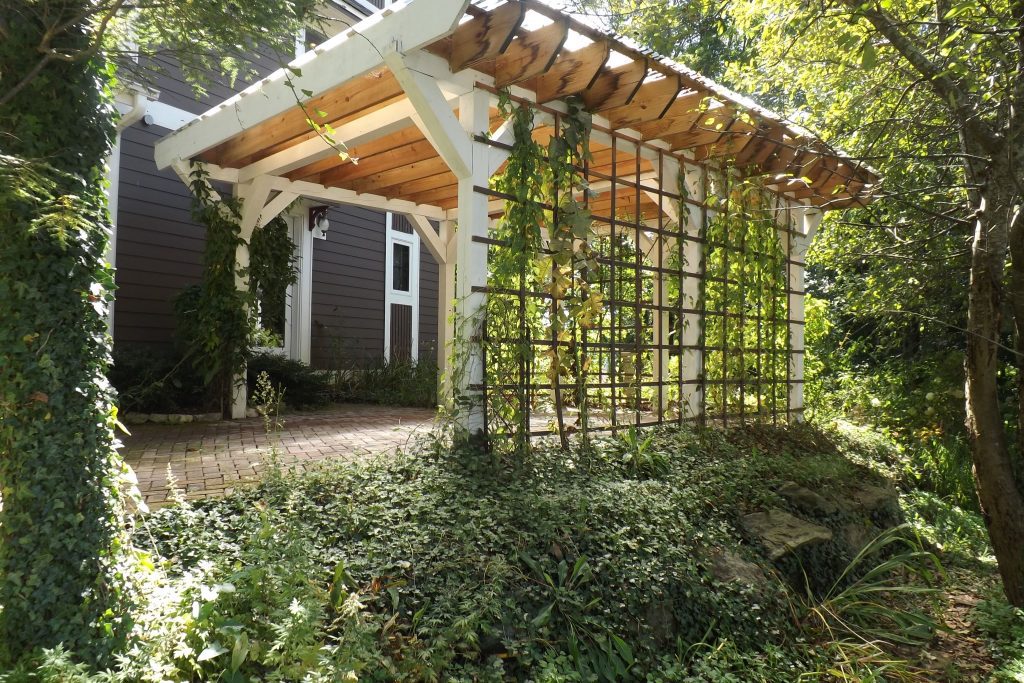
column 572, row 73
column 486, row 36
column 615, row 87
column 649, row 103
column 530, row 54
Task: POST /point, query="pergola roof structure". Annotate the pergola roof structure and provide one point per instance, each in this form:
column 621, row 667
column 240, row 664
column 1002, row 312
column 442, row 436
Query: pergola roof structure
column 378, row 85
column 412, row 93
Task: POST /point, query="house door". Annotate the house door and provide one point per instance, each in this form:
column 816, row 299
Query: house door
column 401, row 290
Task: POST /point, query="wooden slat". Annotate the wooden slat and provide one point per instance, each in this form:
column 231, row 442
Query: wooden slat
column 761, row 147
column 530, row 54
column 615, row 87
column 432, row 197
column 385, row 161
column 403, row 137
column 341, row 104
column 572, row 73
column 387, row 181
column 650, row 103
column 486, row 36
column 682, row 114
column 376, row 184
column 734, row 141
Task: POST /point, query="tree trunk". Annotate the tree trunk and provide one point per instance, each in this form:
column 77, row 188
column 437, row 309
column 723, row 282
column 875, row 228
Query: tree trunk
column 1001, row 498
column 62, row 537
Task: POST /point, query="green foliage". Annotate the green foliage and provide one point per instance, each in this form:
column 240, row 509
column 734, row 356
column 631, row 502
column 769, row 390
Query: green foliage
column 1004, row 626
column 746, row 332
column 271, row 271
column 215, row 325
column 63, row 551
column 301, row 385
column 392, row 383
column 154, row 379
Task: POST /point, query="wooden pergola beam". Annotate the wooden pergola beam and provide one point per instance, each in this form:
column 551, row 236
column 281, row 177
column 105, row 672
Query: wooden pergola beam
column 650, row 103
column 615, row 87
column 486, row 36
column 530, row 55
column 572, row 73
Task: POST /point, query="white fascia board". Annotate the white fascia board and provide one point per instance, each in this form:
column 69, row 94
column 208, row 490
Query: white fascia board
column 167, row 116
column 405, row 26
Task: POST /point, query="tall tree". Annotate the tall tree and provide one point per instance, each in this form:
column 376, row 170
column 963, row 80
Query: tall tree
column 933, row 91
column 63, row 549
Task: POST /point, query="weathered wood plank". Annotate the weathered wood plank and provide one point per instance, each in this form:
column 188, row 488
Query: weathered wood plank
column 572, row 72
column 531, row 54
column 486, row 36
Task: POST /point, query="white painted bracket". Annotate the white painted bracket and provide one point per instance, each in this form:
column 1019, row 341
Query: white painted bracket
column 434, row 116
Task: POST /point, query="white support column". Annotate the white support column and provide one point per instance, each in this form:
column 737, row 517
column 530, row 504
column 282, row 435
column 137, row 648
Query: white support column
column 471, row 260
column 254, row 196
column 302, row 302
column 445, row 307
column 692, row 359
column 658, row 256
column 802, row 228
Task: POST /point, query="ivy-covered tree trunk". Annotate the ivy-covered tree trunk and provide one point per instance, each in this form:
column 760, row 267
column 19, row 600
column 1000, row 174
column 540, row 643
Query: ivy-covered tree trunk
column 62, row 541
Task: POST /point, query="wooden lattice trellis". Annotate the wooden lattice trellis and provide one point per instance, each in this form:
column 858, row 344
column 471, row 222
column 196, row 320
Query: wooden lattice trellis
column 693, row 270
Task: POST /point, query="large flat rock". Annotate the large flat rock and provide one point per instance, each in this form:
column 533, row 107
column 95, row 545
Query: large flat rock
column 782, row 533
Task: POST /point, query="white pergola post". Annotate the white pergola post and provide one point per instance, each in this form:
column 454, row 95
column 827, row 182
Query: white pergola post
column 471, row 261
column 691, row 359
column 661, row 252
column 445, row 304
column 801, row 233
column 254, row 197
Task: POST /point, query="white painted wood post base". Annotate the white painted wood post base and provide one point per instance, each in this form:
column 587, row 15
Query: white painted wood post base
column 471, row 260
column 805, row 226
column 691, row 359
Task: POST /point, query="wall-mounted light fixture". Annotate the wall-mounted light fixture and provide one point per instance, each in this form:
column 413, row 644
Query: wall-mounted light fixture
column 318, row 222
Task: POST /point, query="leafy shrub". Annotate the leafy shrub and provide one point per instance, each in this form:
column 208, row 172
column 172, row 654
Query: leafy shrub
column 155, row 379
column 440, row 566
column 1004, row 626
column 301, row 385
column 394, row 383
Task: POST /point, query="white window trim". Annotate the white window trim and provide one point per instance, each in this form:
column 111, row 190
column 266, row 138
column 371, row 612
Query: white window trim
column 393, row 296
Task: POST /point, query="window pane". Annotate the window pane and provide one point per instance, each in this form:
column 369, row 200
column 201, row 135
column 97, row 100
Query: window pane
column 400, row 268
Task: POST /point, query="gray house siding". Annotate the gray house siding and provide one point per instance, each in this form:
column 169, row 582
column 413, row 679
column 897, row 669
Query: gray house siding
column 348, row 289
column 159, row 249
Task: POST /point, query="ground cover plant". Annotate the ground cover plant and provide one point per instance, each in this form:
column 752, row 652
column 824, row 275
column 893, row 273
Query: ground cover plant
column 600, row 565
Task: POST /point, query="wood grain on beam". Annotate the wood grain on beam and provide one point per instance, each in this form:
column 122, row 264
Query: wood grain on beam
column 680, row 117
column 378, row 183
column 572, row 73
column 615, row 87
column 486, row 36
column 531, row 54
column 382, row 183
column 340, row 105
column 385, row 161
column 650, row 103
column 311, row 171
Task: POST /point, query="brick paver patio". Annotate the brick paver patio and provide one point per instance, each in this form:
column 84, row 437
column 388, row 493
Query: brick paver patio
column 211, row 459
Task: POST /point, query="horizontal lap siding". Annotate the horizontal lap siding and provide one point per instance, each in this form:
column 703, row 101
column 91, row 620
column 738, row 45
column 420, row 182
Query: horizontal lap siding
column 159, row 248
column 428, row 304
column 348, row 289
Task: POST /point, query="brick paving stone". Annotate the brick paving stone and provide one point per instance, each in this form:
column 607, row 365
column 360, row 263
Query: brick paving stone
column 212, row 458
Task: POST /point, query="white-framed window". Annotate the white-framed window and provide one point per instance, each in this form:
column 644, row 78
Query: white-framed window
column 401, row 290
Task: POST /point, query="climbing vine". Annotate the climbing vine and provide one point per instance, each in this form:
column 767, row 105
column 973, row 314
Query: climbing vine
column 271, row 271
column 218, row 321
column 746, row 322
column 540, row 278
column 589, row 312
